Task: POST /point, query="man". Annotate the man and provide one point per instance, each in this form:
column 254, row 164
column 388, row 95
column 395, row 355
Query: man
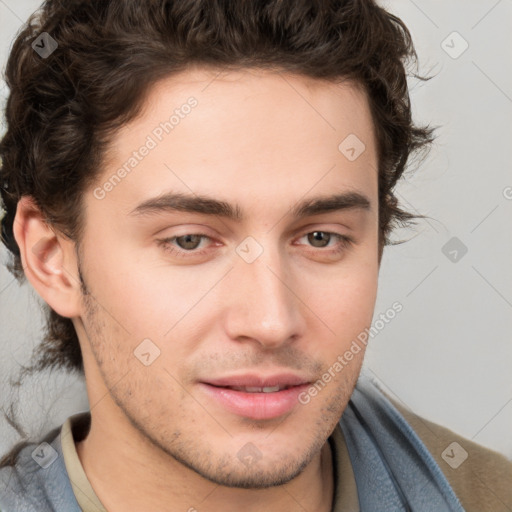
column 201, row 193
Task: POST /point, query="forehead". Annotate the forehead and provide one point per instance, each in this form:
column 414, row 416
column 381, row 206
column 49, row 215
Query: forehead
column 256, row 98
column 256, row 132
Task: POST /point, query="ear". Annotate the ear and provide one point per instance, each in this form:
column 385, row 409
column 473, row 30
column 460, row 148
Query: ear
column 48, row 259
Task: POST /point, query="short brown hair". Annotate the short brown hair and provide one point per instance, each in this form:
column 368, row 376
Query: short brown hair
column 62, row 110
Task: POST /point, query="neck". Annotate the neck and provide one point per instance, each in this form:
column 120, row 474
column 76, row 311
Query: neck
column 127, row 471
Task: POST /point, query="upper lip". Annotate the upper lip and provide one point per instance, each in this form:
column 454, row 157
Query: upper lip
column 259, row 381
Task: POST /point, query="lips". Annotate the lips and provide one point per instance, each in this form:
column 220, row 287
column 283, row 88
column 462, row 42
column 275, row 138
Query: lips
column 255, row 396
column 257, row 389
column 282, row 380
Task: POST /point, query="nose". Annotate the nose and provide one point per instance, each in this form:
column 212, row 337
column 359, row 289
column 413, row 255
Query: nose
column 265, row 306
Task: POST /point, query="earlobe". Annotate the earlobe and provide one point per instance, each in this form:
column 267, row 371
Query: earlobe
column 48, row 259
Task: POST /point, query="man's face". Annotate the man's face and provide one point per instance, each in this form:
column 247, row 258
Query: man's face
column 180, row 334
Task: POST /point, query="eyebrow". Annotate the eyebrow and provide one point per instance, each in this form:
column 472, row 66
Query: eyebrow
column 205, row 205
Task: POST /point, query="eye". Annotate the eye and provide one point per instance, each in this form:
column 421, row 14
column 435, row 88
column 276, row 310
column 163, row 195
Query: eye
column 189, row 242
column 321, row 239
column 184, row 245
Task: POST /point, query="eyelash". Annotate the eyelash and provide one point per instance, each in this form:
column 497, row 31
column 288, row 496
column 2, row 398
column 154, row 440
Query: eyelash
column 344, row 243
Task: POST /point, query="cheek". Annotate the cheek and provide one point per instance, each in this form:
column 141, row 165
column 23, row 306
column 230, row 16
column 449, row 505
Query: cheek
column 145, row 297
column 346, row 307
column 357, row 299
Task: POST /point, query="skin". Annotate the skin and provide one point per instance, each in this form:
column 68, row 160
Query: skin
column 264, row 141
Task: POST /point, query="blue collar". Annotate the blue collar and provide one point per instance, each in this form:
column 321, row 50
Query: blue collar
column 392, row 467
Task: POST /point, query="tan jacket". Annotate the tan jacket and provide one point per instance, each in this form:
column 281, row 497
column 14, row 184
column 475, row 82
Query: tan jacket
column 482, row 482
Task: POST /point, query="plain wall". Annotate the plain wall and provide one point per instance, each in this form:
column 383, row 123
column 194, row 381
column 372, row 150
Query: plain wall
column 447, row 355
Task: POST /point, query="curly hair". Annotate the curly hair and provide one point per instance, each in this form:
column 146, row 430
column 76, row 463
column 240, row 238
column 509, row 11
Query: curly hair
column 62, row 110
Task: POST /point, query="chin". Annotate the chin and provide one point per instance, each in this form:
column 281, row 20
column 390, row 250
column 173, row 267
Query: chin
column 252, row 476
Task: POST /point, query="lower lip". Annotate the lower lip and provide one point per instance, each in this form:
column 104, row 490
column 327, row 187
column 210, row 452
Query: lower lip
column 257, row 406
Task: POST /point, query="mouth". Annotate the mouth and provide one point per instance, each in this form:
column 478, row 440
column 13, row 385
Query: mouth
column 257, row 389
column 256, row 397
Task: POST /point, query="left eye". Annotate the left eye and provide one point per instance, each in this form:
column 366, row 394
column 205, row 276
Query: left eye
column 184, row 245
column 322, row 237
column 189, row 242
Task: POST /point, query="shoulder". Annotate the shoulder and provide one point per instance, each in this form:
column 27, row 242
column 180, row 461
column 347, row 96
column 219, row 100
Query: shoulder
column 480, row 477
column 34, row 477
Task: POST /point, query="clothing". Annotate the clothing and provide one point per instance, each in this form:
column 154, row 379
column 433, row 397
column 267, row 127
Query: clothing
column 380, row 464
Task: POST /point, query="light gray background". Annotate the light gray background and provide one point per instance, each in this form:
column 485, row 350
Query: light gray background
column 448, row 354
